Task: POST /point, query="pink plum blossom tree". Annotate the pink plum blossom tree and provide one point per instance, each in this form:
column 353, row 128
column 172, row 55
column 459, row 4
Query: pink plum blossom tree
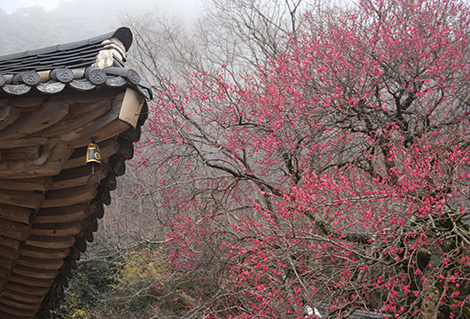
column 336, row 175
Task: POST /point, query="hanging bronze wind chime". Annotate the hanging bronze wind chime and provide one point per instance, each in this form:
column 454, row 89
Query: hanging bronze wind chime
column 93, row 157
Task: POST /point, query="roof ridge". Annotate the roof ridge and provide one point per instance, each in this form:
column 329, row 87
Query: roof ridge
column 123, row 34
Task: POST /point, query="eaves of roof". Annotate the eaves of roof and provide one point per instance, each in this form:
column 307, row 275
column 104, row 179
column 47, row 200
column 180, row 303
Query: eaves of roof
column 37, row 70
column 53, row 103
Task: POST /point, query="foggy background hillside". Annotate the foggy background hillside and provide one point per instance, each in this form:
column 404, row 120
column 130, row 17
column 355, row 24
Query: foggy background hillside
column 33, row 27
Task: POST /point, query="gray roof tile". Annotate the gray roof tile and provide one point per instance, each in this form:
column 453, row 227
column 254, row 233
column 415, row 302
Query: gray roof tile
column 70, row 56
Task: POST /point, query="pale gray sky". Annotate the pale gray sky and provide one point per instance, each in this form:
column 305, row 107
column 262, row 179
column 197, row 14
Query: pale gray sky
column 186, row 6
column 9, row 6
column 96, row 17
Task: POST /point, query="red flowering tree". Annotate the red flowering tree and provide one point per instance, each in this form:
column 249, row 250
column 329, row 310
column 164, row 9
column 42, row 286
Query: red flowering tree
column 335, row 177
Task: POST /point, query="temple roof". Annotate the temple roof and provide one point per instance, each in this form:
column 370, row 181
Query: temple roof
column 82, row 65
column 70, row 55
column 53, row 103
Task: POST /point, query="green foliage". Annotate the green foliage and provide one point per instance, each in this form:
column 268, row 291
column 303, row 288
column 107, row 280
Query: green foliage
column 137, row 282
column 141, row 287
column 137, row 266
column 129, row 286
column 91, row 280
